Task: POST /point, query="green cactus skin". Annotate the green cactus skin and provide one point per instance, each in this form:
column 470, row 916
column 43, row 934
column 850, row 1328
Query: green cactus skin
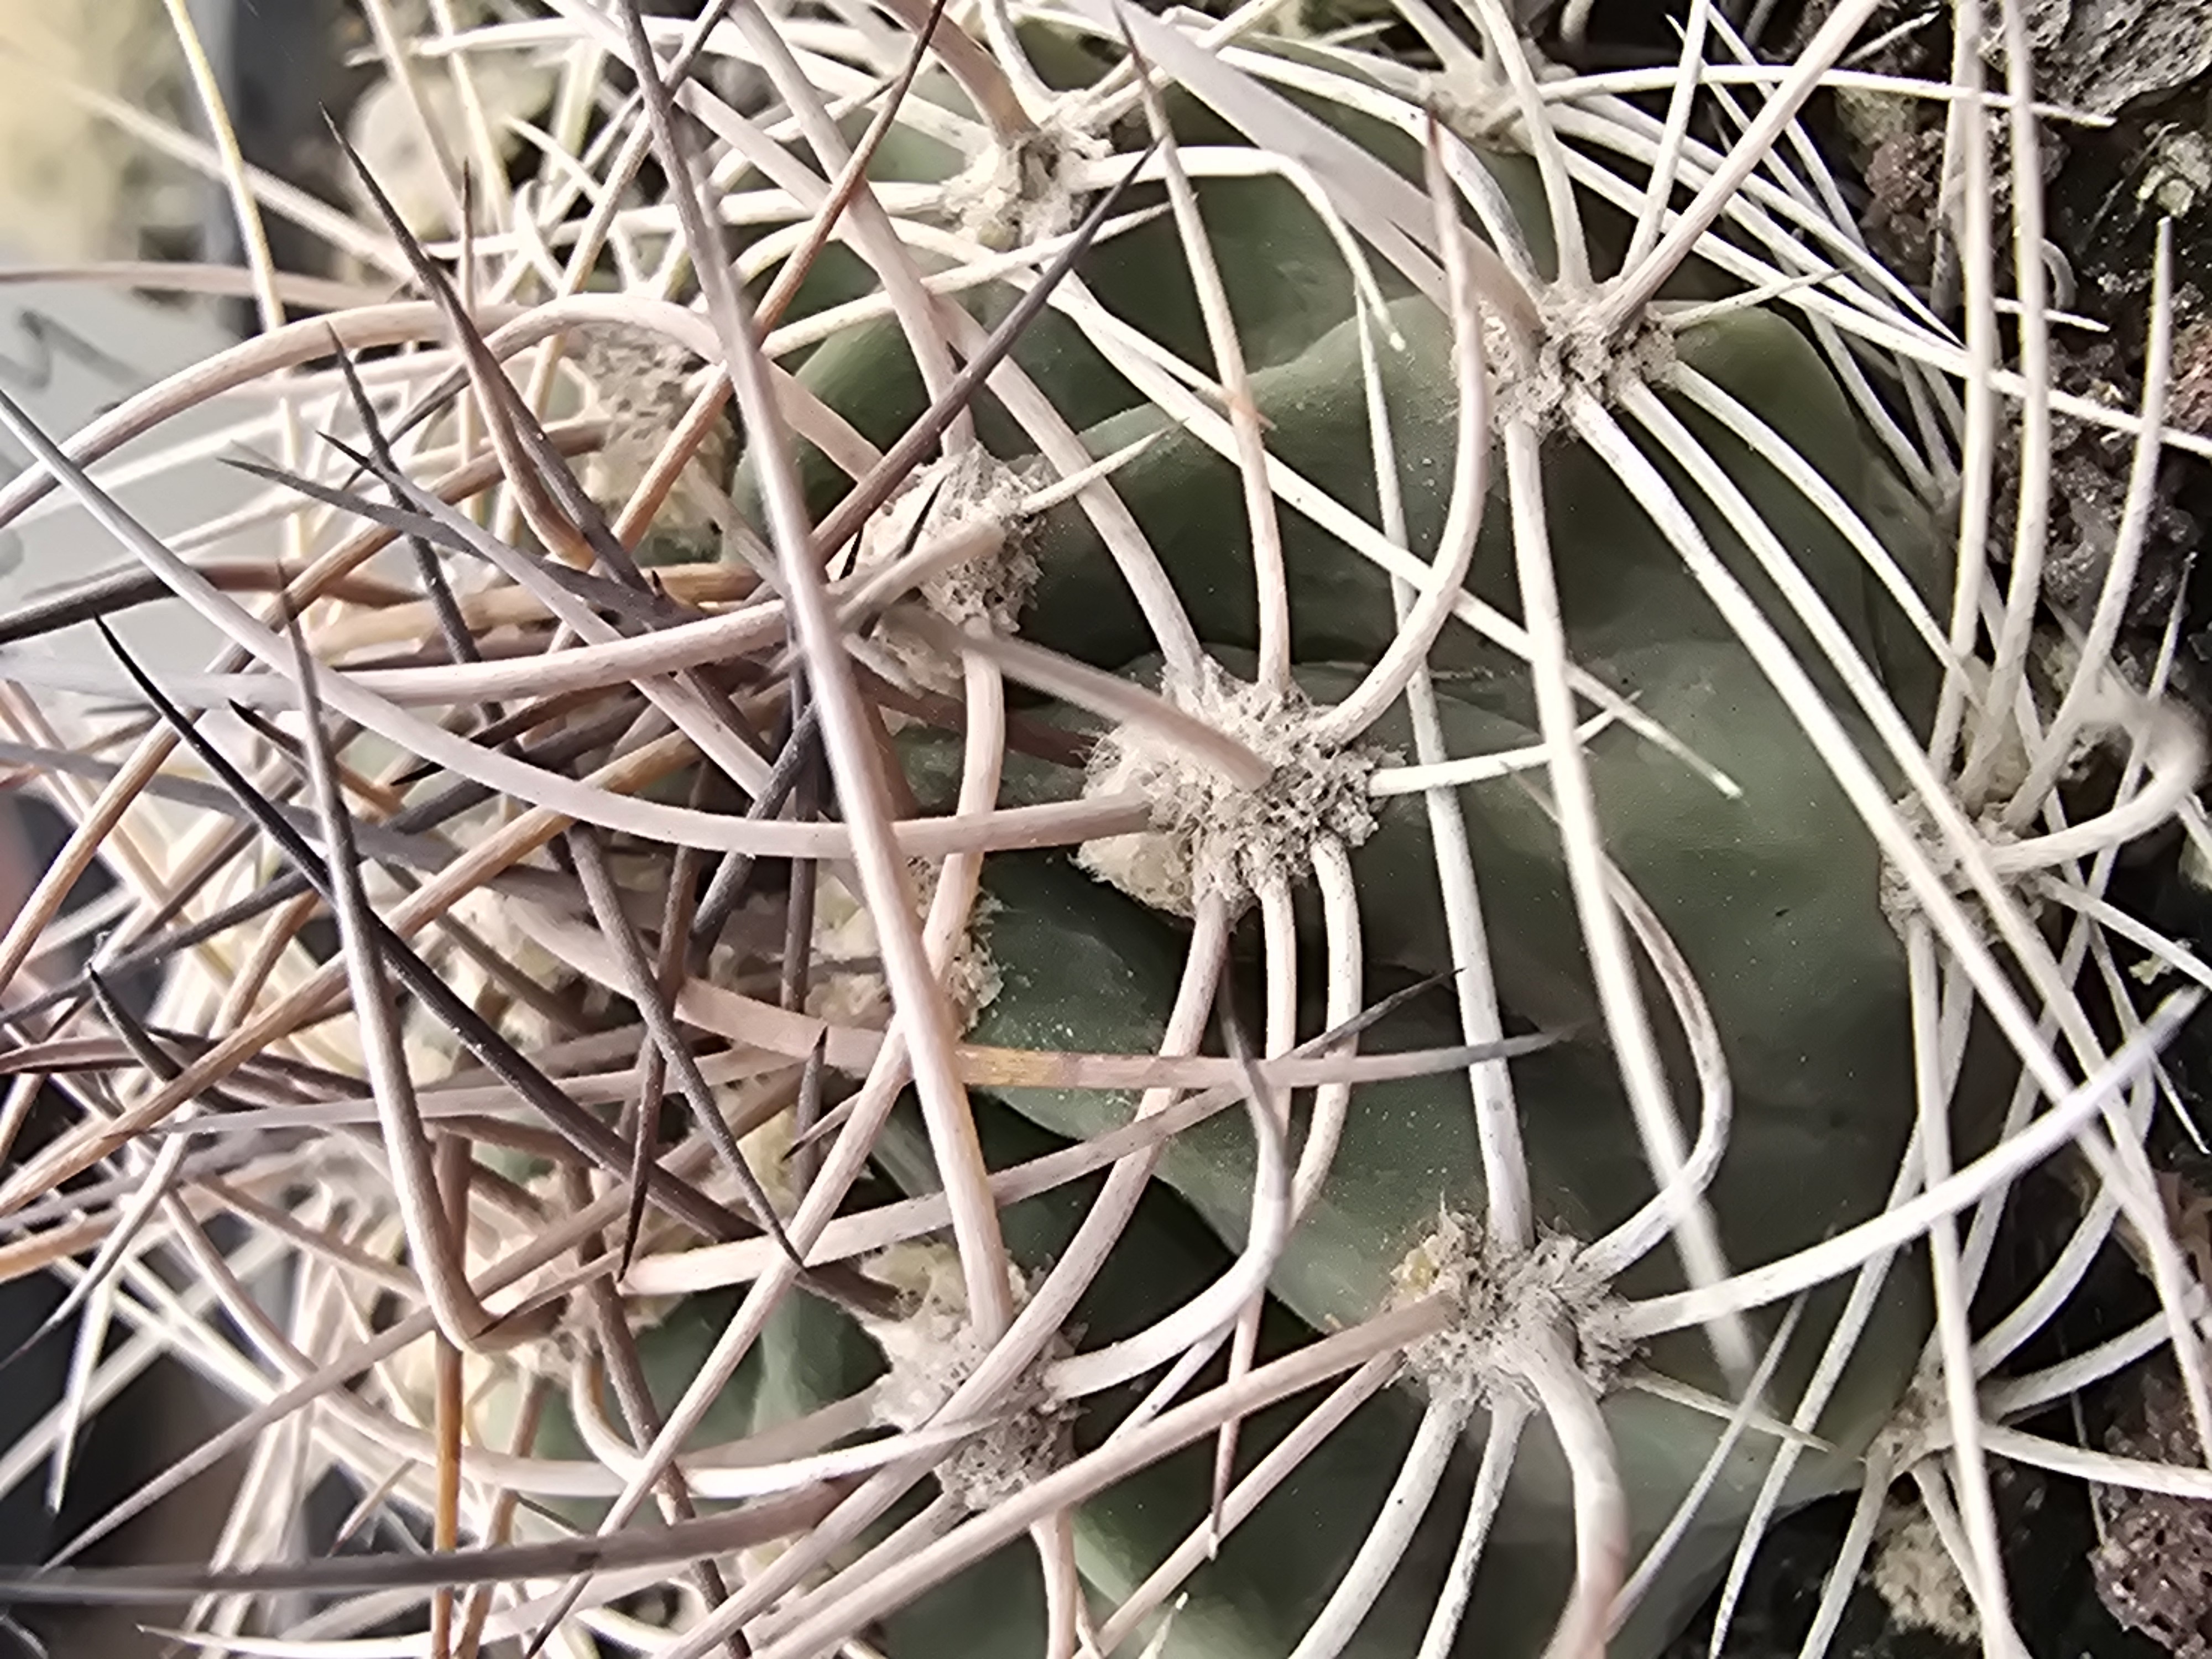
column 1284, row 275
column 1774, row 898
column 1286, row 281
column 1293, row 302
column 1275, row 1570
column 1082, row 967
column 1620, row 580
column 811, row 1355
column 1054, row 930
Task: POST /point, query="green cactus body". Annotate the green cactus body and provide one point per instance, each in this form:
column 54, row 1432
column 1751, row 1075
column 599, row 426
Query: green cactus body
column 1082, row 967
column 1619, row 580
column 1773, row 898
column 1413, row 1152
column 1284, row 273
column 1275, row 1570
column 809, row 1355
column 1292, row 299
column 1287, row 284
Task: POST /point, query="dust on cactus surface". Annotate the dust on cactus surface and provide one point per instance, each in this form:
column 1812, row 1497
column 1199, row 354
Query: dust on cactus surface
column 1296, row 830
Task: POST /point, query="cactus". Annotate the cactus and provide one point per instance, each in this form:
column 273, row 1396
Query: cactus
column 1282, row 906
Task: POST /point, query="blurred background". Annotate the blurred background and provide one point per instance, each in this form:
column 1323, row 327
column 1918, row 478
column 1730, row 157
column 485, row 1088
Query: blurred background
column 79, row 186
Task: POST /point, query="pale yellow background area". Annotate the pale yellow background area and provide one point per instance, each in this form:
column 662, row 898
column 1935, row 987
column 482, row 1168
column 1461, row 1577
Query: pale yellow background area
column 72, row 186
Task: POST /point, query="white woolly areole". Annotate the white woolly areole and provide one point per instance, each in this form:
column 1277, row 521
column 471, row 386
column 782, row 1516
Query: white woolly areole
column 972, row 491
column 1917, row 1580
column 1900, row 903
column 846, row 986
column 1017, row 194
column 487, row 915
column 934, row 1350
column 643, row 382
column 1576, row 352
column 1210, row 835
column 1919, row 1424
column 387, row 127
column 1509, row 1302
